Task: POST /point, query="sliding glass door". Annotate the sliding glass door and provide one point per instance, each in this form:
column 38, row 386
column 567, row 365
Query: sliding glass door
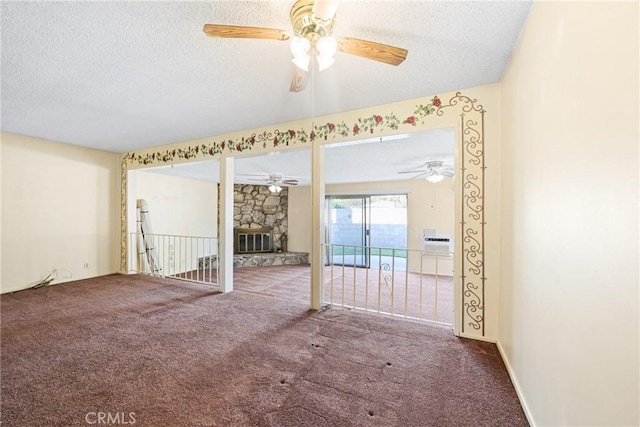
column 367, row 230
column 348, row 230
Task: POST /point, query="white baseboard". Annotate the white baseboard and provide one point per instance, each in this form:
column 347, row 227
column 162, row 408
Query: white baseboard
column 477, row 338
column 516, row 385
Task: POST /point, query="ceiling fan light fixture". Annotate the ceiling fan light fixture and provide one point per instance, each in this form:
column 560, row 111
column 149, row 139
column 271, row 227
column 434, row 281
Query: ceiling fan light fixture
column 324, row 62
column 299, row 49
column 434, row 178
column 275, row 188
column 300, row 46
column 302, row 61
column 327, row 46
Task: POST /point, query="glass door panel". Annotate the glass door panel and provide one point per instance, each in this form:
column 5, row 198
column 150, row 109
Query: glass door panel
column 348, row 223
column 388, row 231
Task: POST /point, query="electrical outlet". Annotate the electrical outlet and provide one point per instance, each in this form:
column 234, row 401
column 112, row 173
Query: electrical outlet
column 86, row 265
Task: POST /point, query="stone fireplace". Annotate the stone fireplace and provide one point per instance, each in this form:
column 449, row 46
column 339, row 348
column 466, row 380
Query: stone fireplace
column 256, row 208
column 260, row 228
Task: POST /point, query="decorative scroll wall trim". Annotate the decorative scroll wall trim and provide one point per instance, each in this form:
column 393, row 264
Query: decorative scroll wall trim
column 472, row 222
column 124, row 254
column 321, row 129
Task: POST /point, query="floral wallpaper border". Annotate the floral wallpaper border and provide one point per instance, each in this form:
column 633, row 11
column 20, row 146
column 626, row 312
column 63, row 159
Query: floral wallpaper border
column 285, row 138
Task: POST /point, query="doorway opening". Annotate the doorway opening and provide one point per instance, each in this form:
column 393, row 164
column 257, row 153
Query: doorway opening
column 380, row 256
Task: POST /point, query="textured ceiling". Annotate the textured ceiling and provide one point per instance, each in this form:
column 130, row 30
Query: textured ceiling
column 121, row 76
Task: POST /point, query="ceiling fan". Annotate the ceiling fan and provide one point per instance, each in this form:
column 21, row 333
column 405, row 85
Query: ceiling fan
column 433, row 171
column 312, row 43
column 276, row 182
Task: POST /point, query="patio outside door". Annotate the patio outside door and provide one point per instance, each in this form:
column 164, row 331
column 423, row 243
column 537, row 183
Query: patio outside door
column 348, row 221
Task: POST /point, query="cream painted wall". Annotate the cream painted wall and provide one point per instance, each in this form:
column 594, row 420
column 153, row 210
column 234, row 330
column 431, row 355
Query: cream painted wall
column 179, row 206
column 1, row 213
column 569, row 262
column 429, row 206
column 299, row 219
column 60, row 209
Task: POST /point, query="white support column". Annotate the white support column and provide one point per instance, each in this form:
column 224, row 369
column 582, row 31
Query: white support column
column 317, row 224
column 225, row 239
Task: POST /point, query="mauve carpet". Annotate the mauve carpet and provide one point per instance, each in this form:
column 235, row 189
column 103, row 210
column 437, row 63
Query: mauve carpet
column 163, row 352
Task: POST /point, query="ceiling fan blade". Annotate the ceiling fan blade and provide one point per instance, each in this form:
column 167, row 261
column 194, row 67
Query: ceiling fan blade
column 239, row 32
column 290, row 182
column 258, row 179
column 299, row 80
column 420, row 171
column 372, row 50
column 446, row 173
column 324, row 10
column 420, row 175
